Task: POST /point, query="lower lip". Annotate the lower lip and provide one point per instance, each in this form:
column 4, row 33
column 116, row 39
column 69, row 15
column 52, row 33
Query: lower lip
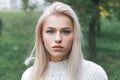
column 57, row 49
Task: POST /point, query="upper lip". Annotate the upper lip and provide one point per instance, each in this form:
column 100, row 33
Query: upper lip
column 57, row 46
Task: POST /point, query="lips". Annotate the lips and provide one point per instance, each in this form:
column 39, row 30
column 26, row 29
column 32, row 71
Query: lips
column 57, row 48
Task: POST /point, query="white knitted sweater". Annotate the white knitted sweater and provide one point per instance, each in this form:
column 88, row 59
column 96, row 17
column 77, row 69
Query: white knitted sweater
column 57, row 71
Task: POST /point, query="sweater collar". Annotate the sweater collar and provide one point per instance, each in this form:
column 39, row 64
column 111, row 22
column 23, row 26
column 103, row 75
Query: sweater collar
column 60, row 64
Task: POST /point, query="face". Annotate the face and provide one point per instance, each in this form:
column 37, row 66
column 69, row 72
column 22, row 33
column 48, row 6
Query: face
column 57, row 33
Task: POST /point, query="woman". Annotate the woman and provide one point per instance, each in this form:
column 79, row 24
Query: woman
column 58, row 48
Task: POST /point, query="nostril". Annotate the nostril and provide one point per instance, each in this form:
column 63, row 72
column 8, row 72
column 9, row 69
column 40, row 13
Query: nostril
column 58, row 40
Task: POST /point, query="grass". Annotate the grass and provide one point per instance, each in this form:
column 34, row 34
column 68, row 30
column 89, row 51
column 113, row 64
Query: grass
column 18, row 34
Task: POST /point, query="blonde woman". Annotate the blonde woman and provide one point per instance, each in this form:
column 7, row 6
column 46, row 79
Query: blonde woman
column 58, row 48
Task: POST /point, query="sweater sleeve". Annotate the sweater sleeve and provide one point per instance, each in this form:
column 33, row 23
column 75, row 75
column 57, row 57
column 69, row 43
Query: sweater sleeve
column 26, row 74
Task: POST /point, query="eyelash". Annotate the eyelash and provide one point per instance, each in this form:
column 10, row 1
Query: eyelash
column 50, row 31
column 65, row 32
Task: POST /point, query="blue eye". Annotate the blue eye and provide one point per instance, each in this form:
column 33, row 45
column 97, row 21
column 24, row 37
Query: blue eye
column 66, row 32
column 50, row 31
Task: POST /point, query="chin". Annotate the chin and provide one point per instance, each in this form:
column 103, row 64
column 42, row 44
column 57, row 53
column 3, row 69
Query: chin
column 58, row 54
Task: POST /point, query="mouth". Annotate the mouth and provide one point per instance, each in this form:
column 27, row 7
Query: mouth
column 57, row 48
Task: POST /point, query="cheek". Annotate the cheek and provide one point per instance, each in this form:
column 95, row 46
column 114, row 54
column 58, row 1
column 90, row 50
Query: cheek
column 47, row 41
column 68, row 42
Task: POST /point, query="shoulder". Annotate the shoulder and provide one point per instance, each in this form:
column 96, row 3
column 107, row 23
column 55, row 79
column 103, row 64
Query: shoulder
column 93, row 71
column 26, row 74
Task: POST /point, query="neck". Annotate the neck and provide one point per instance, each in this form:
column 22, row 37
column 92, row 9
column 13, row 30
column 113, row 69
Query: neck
column 58, row 59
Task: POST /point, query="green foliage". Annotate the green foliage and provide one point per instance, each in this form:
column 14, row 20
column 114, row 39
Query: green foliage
column 87, row 8
column 18, row 36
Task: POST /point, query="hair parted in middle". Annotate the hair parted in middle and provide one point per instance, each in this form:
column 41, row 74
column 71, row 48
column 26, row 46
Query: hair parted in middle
column 42, row 58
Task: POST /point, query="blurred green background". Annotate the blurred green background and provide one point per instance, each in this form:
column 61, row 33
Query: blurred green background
column 18, row 30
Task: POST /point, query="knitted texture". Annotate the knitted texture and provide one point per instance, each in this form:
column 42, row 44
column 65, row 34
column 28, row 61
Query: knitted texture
column 57, row 71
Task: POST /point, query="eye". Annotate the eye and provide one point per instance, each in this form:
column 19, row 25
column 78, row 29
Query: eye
column 66, row 32
column 50, row 31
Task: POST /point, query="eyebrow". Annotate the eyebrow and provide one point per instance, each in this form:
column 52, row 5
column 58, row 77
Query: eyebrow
column 62, row 28
column 50, row 27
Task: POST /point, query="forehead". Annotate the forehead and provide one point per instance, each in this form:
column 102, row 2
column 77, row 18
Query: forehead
column 58, row 21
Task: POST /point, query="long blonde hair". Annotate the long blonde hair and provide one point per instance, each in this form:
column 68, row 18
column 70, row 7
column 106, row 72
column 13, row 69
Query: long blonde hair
column 41, row 58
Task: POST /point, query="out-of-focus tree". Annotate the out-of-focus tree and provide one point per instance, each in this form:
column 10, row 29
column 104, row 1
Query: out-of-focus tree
column 90, row 11
column 27, row 5
column 0, row 27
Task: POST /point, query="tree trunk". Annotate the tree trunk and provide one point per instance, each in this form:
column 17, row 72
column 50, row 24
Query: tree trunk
column 92, row 39
column 98, row 31
column 93, row 25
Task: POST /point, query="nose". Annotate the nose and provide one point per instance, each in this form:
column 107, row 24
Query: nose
column 58, row 38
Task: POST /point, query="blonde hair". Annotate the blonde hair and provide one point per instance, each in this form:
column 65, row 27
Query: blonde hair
column 41, row 58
